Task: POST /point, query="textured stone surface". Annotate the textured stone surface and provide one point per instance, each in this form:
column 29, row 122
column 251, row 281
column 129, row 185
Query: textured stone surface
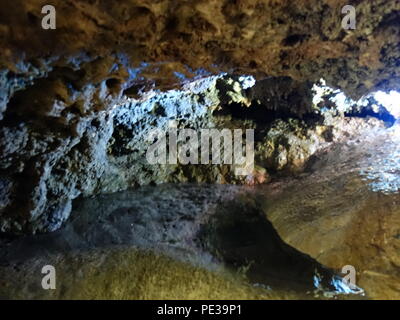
column 345, row 211
column 52, row 159
column 302, row 39
column 60, row 136
column 126, row 274
column 143, row 238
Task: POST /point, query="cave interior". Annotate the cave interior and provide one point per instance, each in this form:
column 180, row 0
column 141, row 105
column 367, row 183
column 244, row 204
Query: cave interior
column 207, row 149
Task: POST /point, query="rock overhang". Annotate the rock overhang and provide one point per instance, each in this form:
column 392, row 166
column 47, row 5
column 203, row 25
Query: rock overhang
column 167, row 42
column 65, row 92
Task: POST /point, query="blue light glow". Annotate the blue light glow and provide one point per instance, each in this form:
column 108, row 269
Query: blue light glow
column 391, row 101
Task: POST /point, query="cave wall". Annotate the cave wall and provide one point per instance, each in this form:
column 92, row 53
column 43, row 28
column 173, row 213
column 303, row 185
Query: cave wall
column 45, row 165
column 76, row 101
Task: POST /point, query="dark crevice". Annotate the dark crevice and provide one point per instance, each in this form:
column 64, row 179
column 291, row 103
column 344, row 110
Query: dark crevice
column 260, row 114
column 241, row 236
column 294, row 39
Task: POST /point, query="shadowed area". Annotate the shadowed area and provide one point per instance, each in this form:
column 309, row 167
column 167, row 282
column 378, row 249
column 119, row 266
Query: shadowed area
column 237, row 237
column 242, row 237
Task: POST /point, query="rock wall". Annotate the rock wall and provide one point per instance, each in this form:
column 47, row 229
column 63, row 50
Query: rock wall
column 45, row 166
column 77, row 102
column 302, row 39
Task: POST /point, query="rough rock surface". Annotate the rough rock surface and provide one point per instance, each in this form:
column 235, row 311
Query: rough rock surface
column 126, row 274
column 78, row 103
column 214, row 233
column 45, row 164
column 345, row 211
column 60, row 136
column 302, row 39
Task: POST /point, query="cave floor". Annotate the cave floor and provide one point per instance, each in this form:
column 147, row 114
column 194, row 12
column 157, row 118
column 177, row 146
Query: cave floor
column 187, row 241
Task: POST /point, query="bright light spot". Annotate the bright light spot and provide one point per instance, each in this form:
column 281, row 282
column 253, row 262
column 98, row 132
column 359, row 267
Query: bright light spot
column 391, row 101
column 381, row 169
column 247, row 81
column 342, row 103
column 322, row 91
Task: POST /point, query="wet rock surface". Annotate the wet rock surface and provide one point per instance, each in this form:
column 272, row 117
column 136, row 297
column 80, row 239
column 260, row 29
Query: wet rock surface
column 212, row 230
column 345, row 212
column 121, row 273
column 287, row 239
